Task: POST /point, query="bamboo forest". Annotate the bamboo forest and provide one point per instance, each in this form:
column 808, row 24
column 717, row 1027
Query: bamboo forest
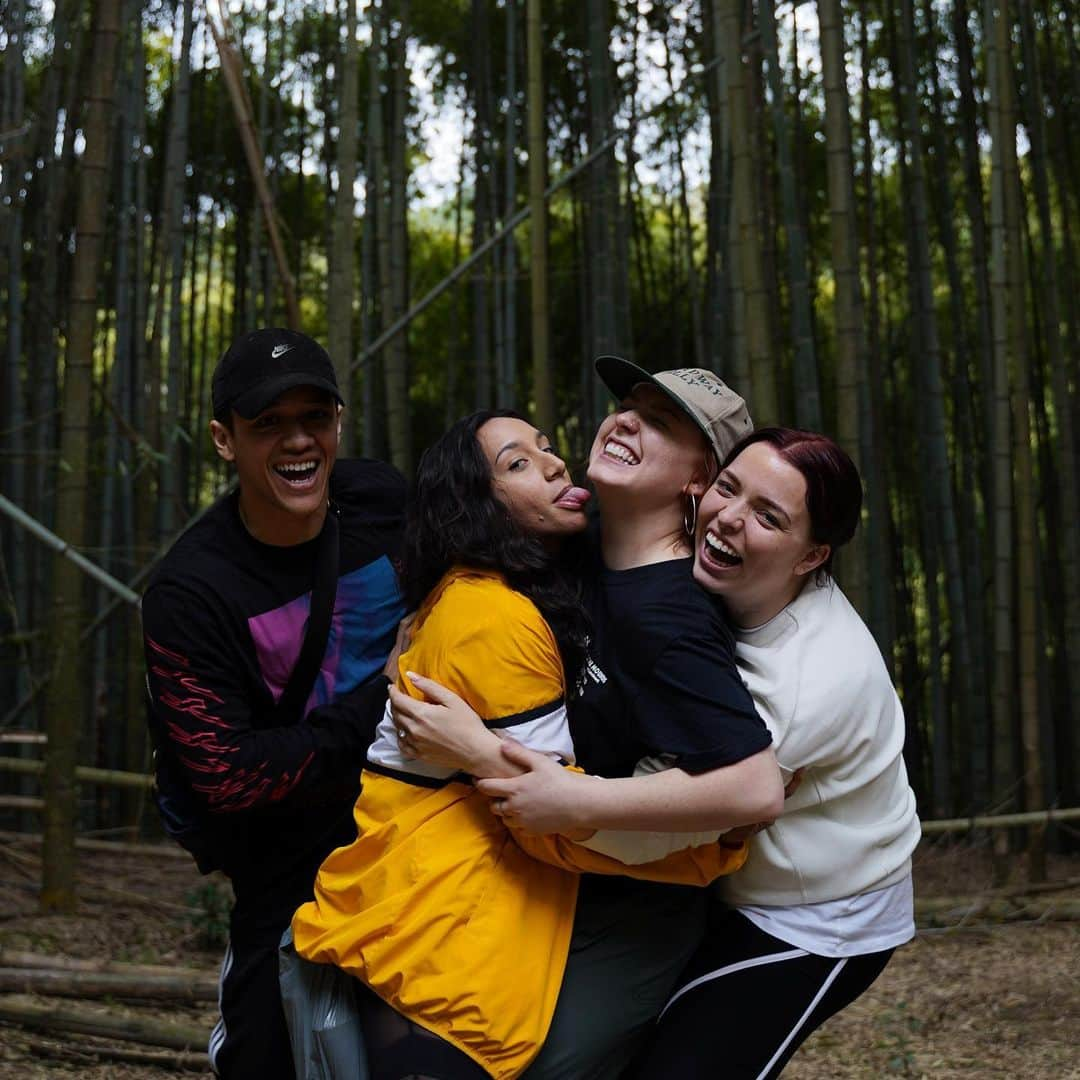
column 861, row 213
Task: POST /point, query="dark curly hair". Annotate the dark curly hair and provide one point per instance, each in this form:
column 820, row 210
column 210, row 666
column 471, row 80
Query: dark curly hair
column 456, row 520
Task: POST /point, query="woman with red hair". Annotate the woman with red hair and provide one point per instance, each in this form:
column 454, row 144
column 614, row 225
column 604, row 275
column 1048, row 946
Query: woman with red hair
column 825, row 896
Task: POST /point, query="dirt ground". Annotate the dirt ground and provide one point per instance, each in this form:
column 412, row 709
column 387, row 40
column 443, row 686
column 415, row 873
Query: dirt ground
column 975, row 1001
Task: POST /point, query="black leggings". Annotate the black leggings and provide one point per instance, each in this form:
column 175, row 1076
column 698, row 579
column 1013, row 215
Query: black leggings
column 398, row 1049
column 746, row 1002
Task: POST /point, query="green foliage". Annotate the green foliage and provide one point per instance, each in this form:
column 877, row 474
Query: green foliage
column 211, row 902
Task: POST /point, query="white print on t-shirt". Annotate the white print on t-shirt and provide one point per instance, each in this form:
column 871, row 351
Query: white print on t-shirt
column 590, row 670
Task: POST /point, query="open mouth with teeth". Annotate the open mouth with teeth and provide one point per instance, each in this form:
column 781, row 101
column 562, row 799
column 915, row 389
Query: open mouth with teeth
column 720, row 552
column 619, row 452
column 299, row 473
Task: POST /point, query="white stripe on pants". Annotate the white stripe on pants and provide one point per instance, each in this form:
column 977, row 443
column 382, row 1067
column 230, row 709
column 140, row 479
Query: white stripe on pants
column 219, row 1034
column 759, row 961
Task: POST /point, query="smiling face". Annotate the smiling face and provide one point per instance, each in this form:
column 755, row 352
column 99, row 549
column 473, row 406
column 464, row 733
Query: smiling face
column 754, row 544
column 649, row 447
column 283, row 461
column 530, row 479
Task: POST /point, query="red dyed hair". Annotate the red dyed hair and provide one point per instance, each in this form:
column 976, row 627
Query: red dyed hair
column 834, row 491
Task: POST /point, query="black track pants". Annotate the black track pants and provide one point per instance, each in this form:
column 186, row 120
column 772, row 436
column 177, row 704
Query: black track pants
column 746, row 1002
column 251, row 1039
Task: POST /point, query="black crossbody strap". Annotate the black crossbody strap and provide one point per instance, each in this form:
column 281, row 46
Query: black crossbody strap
column 290, row 706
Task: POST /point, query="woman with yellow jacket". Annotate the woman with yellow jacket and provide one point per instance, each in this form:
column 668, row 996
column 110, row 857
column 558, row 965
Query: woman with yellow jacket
column 459, row 935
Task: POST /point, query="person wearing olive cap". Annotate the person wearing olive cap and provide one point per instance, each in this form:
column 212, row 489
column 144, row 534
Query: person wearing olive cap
column 258, row 765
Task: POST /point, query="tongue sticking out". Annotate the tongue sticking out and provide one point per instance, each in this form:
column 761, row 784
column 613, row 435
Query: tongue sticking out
column 574, row 499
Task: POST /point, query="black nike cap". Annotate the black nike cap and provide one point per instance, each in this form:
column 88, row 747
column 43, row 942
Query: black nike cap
column 259, row 367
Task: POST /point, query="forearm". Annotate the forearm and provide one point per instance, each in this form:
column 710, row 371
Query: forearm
column 637, row 847
column 231, row 763
column 239, row 770
column 447, row 731
column 676, row 801
column 486, row 760
column 697, row 865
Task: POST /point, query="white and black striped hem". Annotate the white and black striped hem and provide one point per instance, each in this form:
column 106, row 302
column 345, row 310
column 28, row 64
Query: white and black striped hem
column 220, row 1032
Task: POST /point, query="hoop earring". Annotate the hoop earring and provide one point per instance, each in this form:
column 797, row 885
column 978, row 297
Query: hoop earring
column 689, row 520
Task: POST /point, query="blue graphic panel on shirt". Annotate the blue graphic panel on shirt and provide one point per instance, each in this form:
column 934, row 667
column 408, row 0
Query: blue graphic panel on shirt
column 367, row 609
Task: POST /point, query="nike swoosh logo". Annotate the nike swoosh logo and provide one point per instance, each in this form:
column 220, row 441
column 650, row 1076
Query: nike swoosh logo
column 280, row 350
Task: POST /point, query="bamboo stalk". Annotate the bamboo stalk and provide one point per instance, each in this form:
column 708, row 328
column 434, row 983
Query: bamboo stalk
column 945, row 911
column 22, row 802
column 115, row 847
column 103, row 615
column 57, row 982
column 234, row 82
column 23, row 958
column 999, row 821
column 1030, row 888
column 181, row 1061
column 119, row 847
column 22, row 1010
column 62, row 547
column 135, row 899
column 1015, row 895
column 83, row 773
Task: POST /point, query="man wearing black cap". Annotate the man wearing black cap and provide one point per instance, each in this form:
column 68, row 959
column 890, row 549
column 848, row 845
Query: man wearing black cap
column 269, row 788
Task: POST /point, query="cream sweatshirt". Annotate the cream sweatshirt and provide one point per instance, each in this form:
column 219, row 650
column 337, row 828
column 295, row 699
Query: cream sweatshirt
column 820, row 684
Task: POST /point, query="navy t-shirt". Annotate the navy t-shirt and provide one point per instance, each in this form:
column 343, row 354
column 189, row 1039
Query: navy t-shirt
column 660, row 677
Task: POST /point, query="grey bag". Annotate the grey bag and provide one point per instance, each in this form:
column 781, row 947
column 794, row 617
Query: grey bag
column 324, row 1023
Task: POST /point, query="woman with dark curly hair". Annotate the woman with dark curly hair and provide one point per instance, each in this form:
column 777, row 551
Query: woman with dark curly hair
column 420, row 908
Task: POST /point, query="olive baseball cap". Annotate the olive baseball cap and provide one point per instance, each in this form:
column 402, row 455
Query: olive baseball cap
column 259, row 367
column 718, row 411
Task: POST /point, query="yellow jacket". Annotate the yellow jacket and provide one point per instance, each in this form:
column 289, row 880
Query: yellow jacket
column 435, row 906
